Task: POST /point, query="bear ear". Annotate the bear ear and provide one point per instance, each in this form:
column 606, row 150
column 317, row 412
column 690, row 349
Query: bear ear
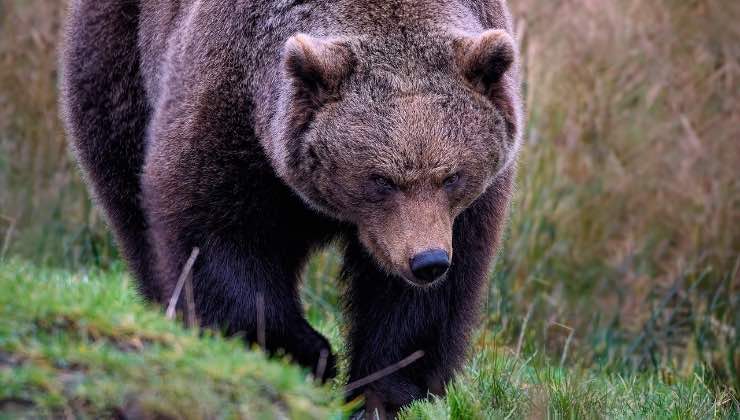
column 483, row 59
column 316, row 67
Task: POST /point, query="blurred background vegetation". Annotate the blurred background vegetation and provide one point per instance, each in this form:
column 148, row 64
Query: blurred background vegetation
column 623, row 251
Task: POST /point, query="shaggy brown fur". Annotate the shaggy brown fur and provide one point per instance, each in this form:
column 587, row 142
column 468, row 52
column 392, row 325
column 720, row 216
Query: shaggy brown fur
column 261, row 130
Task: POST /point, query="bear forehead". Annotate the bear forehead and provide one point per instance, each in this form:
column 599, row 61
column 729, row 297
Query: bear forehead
column 409, row 136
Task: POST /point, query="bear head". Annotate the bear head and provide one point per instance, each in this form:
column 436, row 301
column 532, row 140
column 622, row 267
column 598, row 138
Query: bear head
column 397, row 137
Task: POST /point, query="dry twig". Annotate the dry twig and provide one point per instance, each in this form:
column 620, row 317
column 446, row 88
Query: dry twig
column 382, row 373
column 184, row 275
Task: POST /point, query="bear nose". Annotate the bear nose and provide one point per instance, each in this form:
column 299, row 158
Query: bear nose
column 429, row 265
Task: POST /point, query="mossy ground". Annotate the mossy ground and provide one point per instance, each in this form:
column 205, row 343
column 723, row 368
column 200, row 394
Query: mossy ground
column 85, row 345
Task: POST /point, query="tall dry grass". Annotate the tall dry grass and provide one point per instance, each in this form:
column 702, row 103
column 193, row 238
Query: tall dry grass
column 626, row 229
column 624, row 242
column 44, row 208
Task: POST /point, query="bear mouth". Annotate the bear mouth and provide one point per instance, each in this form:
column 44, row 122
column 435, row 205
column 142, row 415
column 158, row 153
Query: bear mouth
column 409, row 279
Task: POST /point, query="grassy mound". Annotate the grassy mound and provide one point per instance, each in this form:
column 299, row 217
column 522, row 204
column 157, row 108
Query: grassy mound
column 86, row 346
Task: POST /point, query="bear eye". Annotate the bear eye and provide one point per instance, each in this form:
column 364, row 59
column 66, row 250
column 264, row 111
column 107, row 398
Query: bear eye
column 384, row 183
column 452, row 180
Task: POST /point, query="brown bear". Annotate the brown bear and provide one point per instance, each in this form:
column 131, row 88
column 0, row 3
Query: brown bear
column 262, row 130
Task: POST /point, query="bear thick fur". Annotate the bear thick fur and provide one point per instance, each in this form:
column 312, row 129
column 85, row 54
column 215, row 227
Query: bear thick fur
column 262, row 130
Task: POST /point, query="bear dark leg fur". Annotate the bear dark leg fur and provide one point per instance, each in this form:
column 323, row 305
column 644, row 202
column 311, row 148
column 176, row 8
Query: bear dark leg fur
column 245, row 292
column 390, row 320
column 253, row 232
column 107, row 112
column 244, row 289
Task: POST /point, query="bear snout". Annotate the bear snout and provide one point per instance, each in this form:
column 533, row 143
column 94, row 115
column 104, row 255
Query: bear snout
column 430, row 265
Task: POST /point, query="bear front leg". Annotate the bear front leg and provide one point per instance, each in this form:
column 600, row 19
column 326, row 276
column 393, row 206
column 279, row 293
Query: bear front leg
column 249, row 294
column 207, row 183
column 391, row 324
column 253, row 295
column 391, row 319
column 254, row 237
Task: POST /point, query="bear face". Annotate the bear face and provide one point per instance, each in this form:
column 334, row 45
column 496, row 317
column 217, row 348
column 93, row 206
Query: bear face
column 397, row 143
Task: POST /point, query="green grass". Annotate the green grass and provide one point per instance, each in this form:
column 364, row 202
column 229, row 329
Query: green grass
column 497, row 385
column 83, row 344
